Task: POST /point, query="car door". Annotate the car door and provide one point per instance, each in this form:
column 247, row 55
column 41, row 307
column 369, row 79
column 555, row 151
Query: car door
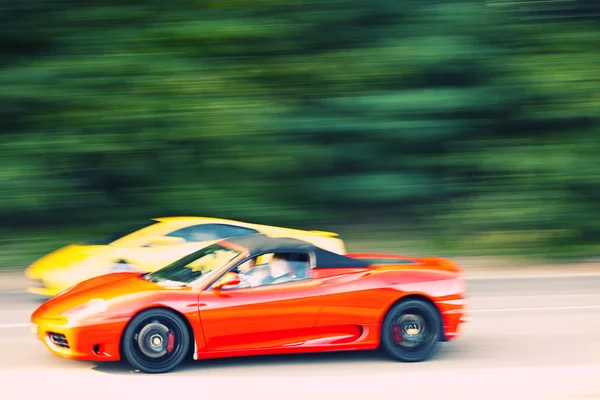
column 267, row 316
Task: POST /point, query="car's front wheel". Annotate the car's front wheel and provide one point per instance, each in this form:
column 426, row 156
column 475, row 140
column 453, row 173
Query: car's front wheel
column 156, row 341
column 411, row 331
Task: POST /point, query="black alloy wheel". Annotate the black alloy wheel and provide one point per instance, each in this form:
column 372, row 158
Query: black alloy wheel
column 411, row 331
column 156, row 341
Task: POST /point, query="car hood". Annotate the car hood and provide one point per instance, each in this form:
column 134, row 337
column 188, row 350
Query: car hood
column 65, row 257
column 105, row 287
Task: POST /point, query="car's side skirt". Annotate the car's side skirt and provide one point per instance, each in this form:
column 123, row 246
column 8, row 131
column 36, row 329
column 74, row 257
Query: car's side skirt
column 368, row 340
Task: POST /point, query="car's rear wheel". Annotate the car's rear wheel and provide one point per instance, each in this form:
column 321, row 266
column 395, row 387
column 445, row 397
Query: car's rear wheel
column 411, row 331
column 156, row 341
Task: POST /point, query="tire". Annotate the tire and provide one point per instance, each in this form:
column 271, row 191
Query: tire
column 170, row 337
column 411, row 331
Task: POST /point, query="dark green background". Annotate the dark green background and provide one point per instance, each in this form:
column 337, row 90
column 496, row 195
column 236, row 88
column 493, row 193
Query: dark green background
column 468, row 127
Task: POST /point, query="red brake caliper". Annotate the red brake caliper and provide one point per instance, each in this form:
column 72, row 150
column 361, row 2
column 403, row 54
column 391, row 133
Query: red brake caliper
column 397, row 334
column 170, row 342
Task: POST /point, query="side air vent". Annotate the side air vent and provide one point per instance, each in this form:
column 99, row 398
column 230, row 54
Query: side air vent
column 59, row 339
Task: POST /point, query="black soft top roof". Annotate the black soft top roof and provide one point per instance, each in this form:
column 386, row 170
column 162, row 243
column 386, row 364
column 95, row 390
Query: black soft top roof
column 261, row 243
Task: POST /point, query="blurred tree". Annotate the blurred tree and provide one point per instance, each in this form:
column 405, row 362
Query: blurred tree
column 455, row 115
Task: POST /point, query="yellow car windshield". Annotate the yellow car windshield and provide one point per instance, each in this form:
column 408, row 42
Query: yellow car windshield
column 194, row 266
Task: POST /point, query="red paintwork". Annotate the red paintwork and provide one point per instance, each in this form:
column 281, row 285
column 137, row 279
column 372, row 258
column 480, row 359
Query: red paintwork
column 337, row 309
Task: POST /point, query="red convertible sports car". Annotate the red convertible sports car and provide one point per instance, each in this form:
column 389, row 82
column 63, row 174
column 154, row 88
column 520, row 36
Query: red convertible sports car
column 257, row 295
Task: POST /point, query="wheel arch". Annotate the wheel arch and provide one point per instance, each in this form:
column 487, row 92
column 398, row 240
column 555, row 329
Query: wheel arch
column 188, row 324
column 422, row 297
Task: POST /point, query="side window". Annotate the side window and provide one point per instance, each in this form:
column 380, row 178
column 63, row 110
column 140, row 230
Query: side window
column 196, row 233
column 272, row 269
column 208, row 232
column 226, row 231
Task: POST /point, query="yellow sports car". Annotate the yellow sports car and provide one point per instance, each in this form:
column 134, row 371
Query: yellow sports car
column 150, row 246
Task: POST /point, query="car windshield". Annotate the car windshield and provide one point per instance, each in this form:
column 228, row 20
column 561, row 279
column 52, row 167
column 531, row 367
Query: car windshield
column 200, row 264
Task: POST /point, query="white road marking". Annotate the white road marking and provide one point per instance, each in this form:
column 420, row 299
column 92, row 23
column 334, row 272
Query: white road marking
column 490, row 310
column 529, row 296
column 8, row 326
column 469, row 311
column 466, row 275
column 541, row 275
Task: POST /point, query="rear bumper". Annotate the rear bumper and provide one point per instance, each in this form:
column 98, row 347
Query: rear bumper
column 454, row 314
column 96, row 342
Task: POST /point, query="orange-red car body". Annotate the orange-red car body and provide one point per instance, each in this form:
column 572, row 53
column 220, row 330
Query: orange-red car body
column 334, row 309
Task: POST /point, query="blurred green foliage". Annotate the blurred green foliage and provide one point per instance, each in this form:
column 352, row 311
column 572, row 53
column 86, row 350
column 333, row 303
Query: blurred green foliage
column 474, row 123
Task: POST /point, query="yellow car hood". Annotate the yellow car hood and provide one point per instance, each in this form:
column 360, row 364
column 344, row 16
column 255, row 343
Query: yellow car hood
column 65, row 258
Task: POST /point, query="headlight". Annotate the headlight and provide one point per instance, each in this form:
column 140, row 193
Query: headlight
column 91, row 307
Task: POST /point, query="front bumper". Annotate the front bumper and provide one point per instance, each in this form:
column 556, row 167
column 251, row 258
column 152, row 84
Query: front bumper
column 92, row 342
column 45, row 292
column 39, row 284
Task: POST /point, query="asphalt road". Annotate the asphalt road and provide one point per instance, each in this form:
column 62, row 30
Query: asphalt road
column 529, row 339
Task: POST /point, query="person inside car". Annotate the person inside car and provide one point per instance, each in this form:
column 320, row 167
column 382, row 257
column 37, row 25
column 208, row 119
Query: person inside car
column 280, row 270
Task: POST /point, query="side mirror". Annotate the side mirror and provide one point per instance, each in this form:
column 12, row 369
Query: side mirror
column 230, row 278
column 159, row 241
